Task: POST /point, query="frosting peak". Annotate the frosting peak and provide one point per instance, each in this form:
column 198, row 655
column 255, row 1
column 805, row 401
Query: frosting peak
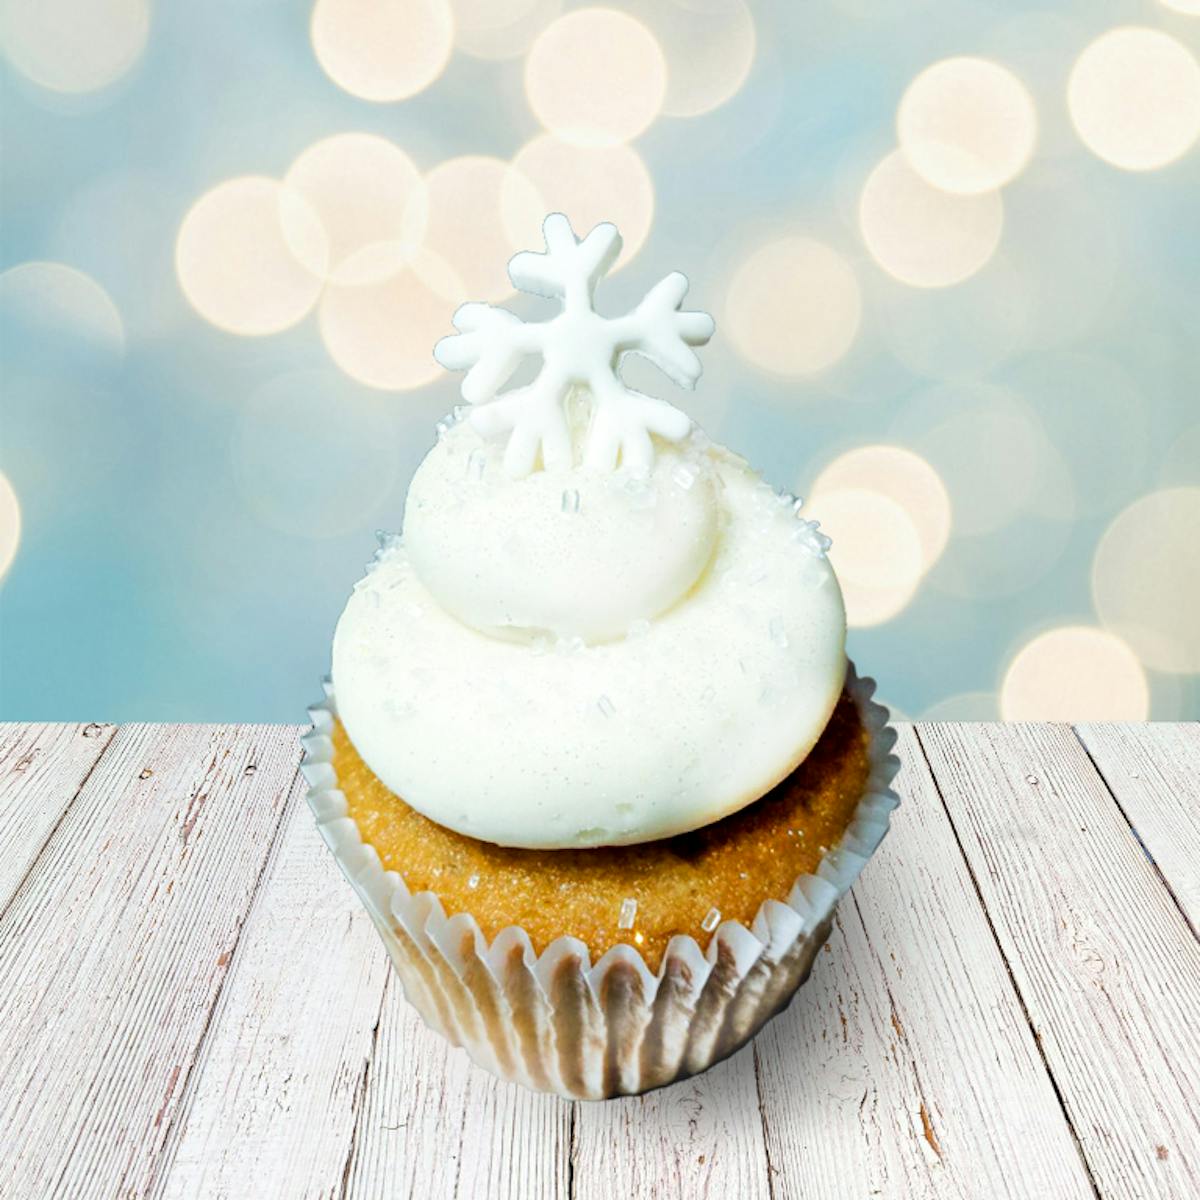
column 563, row 552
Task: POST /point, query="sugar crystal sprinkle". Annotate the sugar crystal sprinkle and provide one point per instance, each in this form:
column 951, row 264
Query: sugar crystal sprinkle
column 684, row 476
column 473, row 882
column 628, row 913
column 606, row 706
column 711, row 919
column 570, row 501
column 639, row 628
column 778, row 632
column 476, row 465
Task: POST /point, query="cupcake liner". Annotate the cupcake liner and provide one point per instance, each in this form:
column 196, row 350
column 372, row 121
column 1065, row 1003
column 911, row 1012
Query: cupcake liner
column 555, row 1022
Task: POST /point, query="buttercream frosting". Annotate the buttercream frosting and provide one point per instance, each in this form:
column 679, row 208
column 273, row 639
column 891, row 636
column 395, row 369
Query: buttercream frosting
column 543, row 740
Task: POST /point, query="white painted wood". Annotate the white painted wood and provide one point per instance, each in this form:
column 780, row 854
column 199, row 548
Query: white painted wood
column 1154, row 772
column 280, row 1076
column 1104, row 961
column 115, row 949
column 435, row 1126
column 906, row 1066
column 42, row 768
column 700, row 1137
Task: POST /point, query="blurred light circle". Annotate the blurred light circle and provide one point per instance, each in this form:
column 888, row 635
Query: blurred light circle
column 54, row 311
column 481, row 212
column 311, row 457
column 370, row 199
column 591, row 184
column 987, row 447
column 876, row 551
column 1182, row 461
column 74, row 45
column 1075, row 673
column 967, row 125
column 958, row 332
column 710, row 47
column 1134, row 98
column 922, row 235
column 793, row 307
column 120, row 227
column 10, row 524
column 234, row 264
column 382, row 334
column 1146, row 578
column 1190, row 8
column 382, row 50
column 485, row 29
column 965, row 706
column 1096, row 415
column 596, row 77
column 904, row 478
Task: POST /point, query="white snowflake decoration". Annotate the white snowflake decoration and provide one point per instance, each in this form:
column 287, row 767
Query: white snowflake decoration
column 579, row 348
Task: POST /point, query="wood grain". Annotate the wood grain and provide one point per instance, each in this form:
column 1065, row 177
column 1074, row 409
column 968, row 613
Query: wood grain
column 700, row 1137
column 279, row 1078
column 434, row 1125
column 906, row 1067
column 115, row 949
column 193, row 1003
column 1154, row 772
column 42, row 768
column 1105, row 964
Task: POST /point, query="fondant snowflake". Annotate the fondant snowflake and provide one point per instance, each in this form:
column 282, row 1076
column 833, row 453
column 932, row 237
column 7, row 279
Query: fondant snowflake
column 578, row 348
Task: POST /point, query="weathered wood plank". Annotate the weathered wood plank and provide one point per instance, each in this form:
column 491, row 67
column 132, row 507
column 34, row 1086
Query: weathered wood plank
column 435, row 1126
column 700, row 1137
column 1104, row 961
column 115, row 949
column 42, row 768
column 906, row 1066
column 1154, row 772
column 278, row 1081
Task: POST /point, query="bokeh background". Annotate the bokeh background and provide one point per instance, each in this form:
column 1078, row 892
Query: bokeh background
column 952, row 246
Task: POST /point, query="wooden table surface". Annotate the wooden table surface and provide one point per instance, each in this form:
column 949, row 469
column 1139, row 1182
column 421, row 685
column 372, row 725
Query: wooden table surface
column 193, row 1004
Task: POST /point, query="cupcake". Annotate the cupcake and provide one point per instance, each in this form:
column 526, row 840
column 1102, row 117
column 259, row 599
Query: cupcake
column 591, row 753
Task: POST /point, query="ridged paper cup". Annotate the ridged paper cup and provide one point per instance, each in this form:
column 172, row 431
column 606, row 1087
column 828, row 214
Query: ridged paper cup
column 556, row 1023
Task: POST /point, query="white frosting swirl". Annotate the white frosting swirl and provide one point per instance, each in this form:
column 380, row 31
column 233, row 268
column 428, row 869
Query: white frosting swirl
column 531, row 741
column 566, row 552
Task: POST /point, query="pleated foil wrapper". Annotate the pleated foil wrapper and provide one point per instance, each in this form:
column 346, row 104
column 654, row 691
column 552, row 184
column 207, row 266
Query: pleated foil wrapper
column 557, row 1023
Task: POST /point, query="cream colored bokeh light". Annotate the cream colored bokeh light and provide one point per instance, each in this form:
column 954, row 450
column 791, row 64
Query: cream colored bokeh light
column 1146, row 578
column 904, row 478
column 967, row 125
column 922, row 235
column 710, row 47
column 74, row 45
column 590, row 185
column 382, row 50
column 793, row 306
column 876, row 551
column 382, row 334
column 234, row 264
column 10, row 524
column 1190, row 8
column 1134, row 98
column 1075, row 673
column 596, row 77
column 54, row 297
column 370, row 199
column 481, row 212
column 485, row 29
